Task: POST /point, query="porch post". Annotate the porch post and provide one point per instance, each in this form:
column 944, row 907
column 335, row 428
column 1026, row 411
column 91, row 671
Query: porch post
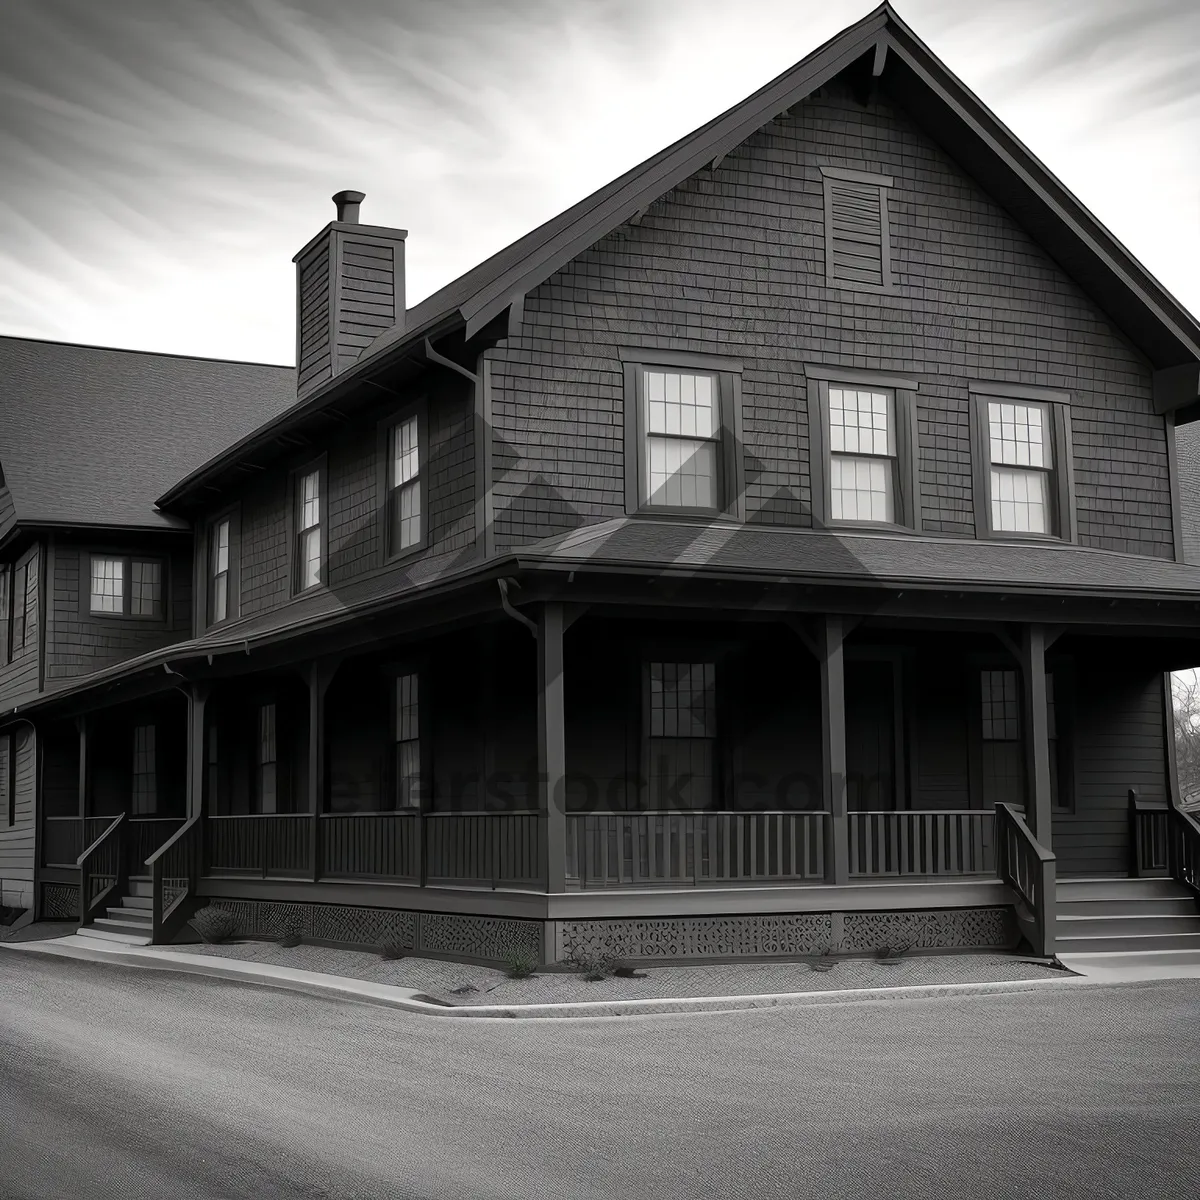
column 83, row 724
column 552, row 752
column 1037, row 730
column 197, row 757
column 833, row 748
column 319, row 675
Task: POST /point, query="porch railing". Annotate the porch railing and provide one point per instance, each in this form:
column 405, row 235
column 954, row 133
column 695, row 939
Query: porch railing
column 921, row 843
column 497, row 849
column 261, row 844
column 146, row 835
column 102, row 869
column 1149, row 822
column 1183, row 849
column 1028, row 868
column 174, row 875
column 63, row 838
column 371, row 845
column 691, row 848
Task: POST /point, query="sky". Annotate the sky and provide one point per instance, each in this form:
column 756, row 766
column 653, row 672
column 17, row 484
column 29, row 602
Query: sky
column 162, row 160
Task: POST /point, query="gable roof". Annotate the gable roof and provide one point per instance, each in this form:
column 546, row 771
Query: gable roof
column 907, row 70
column 90, row 436
column 1187, row 449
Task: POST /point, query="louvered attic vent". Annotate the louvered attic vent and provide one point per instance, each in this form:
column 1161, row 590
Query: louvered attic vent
column 857, row 253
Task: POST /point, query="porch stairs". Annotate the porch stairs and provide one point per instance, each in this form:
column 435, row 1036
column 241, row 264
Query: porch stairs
column 129, row 923
column 1120, row 916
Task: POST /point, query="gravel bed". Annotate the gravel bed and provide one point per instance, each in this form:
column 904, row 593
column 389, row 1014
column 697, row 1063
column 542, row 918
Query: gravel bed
column 442, row 980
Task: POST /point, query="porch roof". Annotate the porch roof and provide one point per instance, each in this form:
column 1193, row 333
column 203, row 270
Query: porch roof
column 822, row 556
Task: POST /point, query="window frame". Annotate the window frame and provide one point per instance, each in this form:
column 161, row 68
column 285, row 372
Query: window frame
column 676, row 653
column 393, row 671
column 383, row 481
column 908, row 501
column 830, row 177
column 29, row 566
column 319, row 465
column 153, row 773
column 7, row 578
column 730, row 455
column 233, row 572
column 1062, row 488
column 126, row 560
column 262, row 706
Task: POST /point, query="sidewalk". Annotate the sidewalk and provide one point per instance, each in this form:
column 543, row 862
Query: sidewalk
column 436, row 987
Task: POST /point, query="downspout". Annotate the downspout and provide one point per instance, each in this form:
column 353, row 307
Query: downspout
column 506, row 604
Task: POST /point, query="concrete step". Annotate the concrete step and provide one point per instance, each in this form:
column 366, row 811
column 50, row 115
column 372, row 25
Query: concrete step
column 1126, row 944
column 137, row 901
column 140, row 886
column 138, row 916
column 109, row 935
column 1131, row 906
column 113, row 925
column 1103, row 925
column 1118, row 889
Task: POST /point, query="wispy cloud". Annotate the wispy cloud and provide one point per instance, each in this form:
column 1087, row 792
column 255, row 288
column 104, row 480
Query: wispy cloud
column 161, row 160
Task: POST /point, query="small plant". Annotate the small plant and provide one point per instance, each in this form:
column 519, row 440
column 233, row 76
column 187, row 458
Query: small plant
column 592, row 966
column 519, row 963
column 826, row 962
column 392, row 949
column 627, row 971
column 214, row 924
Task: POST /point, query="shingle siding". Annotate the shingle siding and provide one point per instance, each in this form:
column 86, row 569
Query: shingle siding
column 19, row 678
column 1187, row 442
column 79, row 642
column 732, row 262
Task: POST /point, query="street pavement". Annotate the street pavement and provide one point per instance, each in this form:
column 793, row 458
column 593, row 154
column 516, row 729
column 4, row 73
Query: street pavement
column 120, row 1082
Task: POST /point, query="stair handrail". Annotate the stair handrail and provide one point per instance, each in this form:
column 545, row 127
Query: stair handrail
column 187, row 857
column 110, row 843
column 1183, row 849
column 1028, row 868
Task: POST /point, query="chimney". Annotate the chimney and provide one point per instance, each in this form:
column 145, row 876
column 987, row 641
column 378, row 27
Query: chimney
column 349, row 290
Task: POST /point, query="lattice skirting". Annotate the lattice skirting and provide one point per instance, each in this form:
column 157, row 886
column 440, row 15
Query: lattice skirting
column 59, row 900
column 784, row 935
column 443, row 933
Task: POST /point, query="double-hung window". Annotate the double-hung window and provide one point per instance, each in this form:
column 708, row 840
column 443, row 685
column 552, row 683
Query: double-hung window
column 681, row 733
column 125, row 586
column 862, row 448
column 268, row 777
column 25, row 604
column 309, row 541
column 407, row 742
column 682, row 422
column 223, row 568
column 145, row 774
column 405, row 520
column 5, row 613
column 1022, row 451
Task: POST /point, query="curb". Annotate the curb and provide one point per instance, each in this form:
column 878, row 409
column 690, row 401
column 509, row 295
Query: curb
column 408, row 1000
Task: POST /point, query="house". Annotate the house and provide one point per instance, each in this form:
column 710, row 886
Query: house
column 780, row 550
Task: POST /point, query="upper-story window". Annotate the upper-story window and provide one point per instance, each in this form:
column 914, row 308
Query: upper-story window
column 25, row 604
column 404, row 486
column 862, row 448
column 125, row 586
column 857, row 241
column 222, row 568
column 1023, row 462
column 309, row 542
column 5, row 613
column 682, row 433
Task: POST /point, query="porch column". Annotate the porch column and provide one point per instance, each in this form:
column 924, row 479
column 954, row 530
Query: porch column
column 830, row 636
column 552, row 747
column 1032, row 646
column 319, row 675
column 197, row 756
column 83, row 724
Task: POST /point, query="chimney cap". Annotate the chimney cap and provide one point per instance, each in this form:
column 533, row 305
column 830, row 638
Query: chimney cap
column 347, row 205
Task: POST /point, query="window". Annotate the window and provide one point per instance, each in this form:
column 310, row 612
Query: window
column 1001, row 706
column 408, row 744
column 682, row 428
column 24, row 604
column 219, row 557
column 123, row 586
column 268, row 781
column 5, row 613
column 8, row 784
column 145, row 777
column 1023, row 473
column 681, row 734
column 404, row 486
column 857, row 241
column 308, row 542
column 862, row 455
column 862, row 448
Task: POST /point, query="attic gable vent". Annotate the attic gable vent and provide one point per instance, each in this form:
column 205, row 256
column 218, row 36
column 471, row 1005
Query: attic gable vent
column 857, row 250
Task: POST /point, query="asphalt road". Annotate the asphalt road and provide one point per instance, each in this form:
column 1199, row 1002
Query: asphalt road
column 119, row 1082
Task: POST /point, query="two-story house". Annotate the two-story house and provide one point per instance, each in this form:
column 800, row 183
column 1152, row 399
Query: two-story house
column 780, row 550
